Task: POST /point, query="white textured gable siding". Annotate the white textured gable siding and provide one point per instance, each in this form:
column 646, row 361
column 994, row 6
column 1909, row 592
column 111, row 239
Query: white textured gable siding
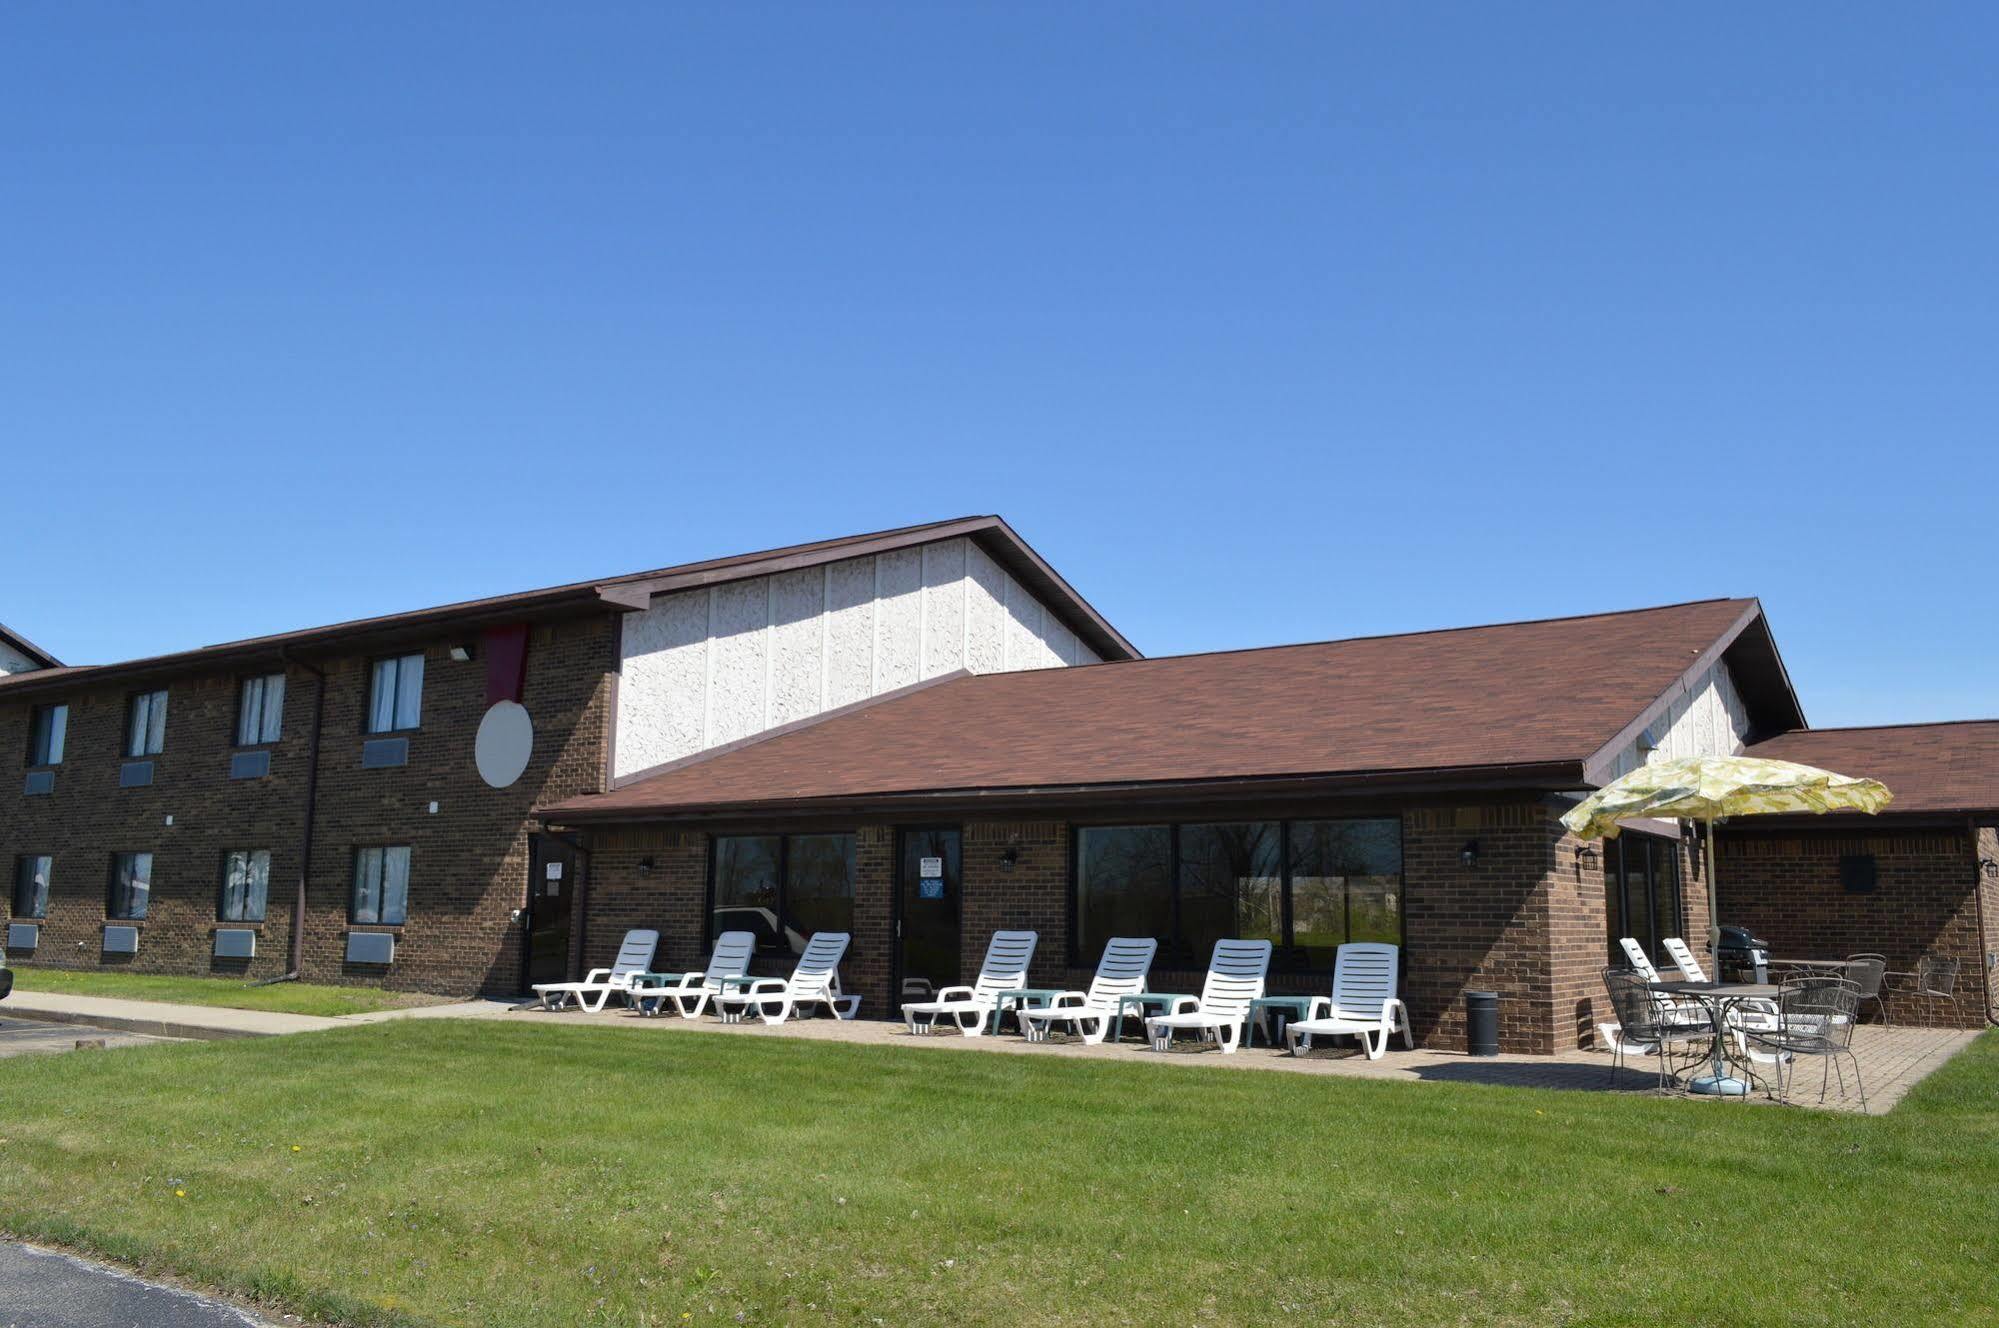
column 13, row 661
column 705, row 667
column 1707, row 720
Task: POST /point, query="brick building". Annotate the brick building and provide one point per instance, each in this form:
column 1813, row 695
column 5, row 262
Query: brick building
column 922, row 735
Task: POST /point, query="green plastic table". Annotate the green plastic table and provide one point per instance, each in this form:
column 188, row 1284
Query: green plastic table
column 1286, row 1008
column 1163, row 999
column 1031, row 997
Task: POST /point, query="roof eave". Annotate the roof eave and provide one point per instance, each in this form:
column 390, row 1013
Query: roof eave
column 1544, row 776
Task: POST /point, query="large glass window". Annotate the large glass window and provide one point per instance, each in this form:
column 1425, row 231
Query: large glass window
column 1305, row 886
column 48, row 728
column 146, row 724
column 260, row 711
column 131, row 886
column 1641, row 877
column 246, row 884
column 381, row 885
column 395, row 697
column 783, row 888
column 31, row 885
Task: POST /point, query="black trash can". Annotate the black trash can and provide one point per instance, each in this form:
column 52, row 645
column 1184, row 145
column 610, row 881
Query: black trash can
column 1482, row 1023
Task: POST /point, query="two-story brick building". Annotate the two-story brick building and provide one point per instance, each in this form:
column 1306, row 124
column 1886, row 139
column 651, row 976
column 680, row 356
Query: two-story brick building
column 921, row 735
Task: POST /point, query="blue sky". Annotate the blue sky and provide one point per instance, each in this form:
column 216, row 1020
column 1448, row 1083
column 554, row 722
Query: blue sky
column 1264, row 323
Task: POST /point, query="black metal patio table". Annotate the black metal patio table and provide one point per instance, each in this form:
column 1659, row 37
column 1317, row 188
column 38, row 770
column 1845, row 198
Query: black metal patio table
column 1718, row 998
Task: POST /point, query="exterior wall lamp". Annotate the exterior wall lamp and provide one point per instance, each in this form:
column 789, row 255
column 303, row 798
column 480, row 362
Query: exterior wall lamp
column 1988, row 866
column 1586, row 853
column 1468, row 855
column 1008, row 858
column 461, row 653
column 645, row 866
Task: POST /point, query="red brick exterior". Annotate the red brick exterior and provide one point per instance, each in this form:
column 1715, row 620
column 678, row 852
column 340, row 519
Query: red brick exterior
column 468, row 859
column 1526, row 921
column 1785, row 886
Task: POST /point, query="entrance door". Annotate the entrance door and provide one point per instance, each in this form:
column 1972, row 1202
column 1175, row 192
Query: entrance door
column 926, row 913
column 554, row 867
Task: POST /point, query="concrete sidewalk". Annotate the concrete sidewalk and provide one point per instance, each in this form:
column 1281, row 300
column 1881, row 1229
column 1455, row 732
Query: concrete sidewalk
column 166, row 1019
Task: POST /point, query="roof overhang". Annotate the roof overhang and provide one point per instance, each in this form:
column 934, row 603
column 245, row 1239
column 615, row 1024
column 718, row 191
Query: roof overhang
column 37, row 656
column 1075, row 799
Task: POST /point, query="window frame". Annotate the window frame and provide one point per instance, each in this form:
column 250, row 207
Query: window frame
column 222, row 886
column 21, row 860
column 1280, row 950
column 262, row 682
column 40, row 742
column 354, row 919
column 783, row 838
column 111, row 913
column 375, row 662
column 132, row 703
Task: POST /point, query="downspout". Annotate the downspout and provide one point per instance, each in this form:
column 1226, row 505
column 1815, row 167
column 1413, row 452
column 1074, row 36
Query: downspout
column 305, row 835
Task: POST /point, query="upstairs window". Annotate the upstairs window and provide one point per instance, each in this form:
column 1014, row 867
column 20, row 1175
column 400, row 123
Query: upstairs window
column 131, row 886
column 260, row 710
column 47, row 729
column 146, row 724
column 395, row 700
column 381, row 885
column 31, row 885
column 246, row 884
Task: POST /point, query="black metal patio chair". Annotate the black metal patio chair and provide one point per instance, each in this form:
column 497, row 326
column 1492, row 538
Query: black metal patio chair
column 1935, row 979
column 1647, row 1022
column 1816, row 1014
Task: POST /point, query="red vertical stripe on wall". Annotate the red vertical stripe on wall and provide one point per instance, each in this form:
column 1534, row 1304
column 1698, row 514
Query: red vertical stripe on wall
column 506, row 652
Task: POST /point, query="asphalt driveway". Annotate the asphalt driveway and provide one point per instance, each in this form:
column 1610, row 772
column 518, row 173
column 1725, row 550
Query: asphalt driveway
column 42, row 1289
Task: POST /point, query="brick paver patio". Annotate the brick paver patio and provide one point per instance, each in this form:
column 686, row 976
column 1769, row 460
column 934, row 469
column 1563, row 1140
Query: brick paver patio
column 1891, row 1060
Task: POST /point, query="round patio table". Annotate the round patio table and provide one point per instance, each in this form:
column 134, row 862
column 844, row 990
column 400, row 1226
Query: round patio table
column 1717, row 998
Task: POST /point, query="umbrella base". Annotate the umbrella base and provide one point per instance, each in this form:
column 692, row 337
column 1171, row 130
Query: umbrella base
column 1718, row 1085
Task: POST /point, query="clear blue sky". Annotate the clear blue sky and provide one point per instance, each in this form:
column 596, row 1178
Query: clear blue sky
column 1264, row 323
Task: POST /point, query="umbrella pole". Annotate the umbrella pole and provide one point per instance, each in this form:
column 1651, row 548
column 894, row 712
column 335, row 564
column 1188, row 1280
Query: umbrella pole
column 1713, row 918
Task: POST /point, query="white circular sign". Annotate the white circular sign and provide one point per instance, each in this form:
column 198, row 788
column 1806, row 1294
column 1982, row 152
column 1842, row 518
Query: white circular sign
column 504, row 744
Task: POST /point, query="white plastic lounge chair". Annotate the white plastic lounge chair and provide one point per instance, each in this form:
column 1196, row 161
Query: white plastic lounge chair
column 971, row 1008
column 690, row 992
column 1235, row 978
column 815, row 981
column 600, row 984
column 1093, row 1014
column 1757, row 1012
column 1641, row 964
column 1363, row 1001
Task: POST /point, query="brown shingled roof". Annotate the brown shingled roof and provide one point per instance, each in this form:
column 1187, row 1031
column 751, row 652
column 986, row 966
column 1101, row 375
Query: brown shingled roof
column 1930, row 768
column 35, row 654
column 1538, row 700
column 618, row 593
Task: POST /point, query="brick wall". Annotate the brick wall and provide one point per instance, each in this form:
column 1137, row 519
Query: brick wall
column 468, row 858
column 1988, row 914
column 1527, row 920
column 1785, row 886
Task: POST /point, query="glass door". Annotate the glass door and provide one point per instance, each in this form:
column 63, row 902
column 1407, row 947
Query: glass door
column 927, row 912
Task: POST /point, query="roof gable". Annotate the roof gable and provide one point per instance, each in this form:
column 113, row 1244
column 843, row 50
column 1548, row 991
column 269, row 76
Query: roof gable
column 22, row 646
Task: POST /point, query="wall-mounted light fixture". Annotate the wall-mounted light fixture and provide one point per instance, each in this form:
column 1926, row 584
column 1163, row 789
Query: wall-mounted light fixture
column 461, row 653
column 1586, row 853
column 1008, row 858
column 1988, row 866
column 645, row 866
column 1468, row 855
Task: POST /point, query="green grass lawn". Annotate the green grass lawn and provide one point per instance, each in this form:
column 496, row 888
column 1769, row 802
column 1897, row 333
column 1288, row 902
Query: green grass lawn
column 506, row 1174
column 286, row 997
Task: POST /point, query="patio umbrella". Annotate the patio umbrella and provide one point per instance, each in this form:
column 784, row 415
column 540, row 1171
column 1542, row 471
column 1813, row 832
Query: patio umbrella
column 1711, row 788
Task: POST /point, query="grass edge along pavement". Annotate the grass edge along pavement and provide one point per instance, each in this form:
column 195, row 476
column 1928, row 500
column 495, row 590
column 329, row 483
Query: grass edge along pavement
column 280, row 997
column 448, row 1172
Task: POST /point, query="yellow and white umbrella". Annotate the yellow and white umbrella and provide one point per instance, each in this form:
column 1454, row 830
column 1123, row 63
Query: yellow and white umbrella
column 1712, row 788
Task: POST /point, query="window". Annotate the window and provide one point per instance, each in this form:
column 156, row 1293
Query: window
column 1305, row 886
column 246, row 884
column 131, row 885
column 1641, row 893
column 381, row 885
column 31, row 885
column 395, row 700
column 146, row 724
column 260, row 711
column 782, row 888
column 48, row 726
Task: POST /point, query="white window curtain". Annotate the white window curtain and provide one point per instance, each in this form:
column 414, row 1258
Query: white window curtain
column 135, row 885
column 156, row 725
column 382, row 885
column 409, row 691
column 261, row 716
column 246, row 886
column 382, row 698
column 52, row 727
